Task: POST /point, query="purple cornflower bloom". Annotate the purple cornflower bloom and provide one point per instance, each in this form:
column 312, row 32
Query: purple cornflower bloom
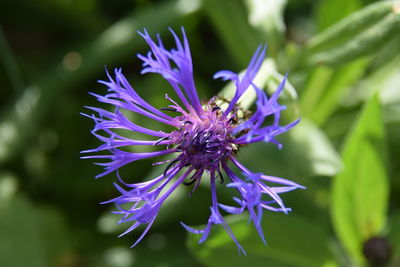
column 206, row 136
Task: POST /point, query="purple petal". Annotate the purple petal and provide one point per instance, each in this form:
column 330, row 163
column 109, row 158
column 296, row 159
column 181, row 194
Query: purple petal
column 230, row 209
column 192, row 230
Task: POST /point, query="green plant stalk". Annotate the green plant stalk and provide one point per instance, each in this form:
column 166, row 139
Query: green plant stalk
column 318, row 81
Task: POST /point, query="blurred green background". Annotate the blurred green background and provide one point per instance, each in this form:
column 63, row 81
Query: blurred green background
column 343, row 60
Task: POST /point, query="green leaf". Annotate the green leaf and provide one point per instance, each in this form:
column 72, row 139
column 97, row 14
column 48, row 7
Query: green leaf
column 31, row 235
column 21, row 243
column 358, row 35
column 288, row 237
column 360, row 192
column 55, row 234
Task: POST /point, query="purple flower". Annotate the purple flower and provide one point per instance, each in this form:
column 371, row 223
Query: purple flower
column 206, row 136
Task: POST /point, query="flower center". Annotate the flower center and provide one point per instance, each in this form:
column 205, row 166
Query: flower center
column 204, row 142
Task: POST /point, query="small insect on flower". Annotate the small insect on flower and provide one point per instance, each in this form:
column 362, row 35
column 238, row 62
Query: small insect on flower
column 206, row 137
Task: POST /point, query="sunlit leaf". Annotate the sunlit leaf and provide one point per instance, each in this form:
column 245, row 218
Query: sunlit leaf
column 360, row 191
